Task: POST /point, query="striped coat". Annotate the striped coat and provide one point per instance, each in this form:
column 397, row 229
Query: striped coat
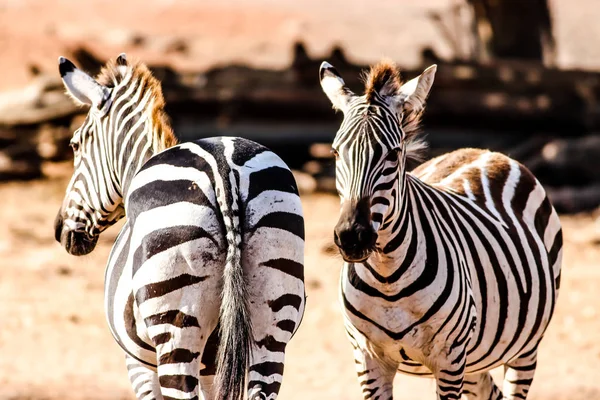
column 452, row 269
column 205, row 283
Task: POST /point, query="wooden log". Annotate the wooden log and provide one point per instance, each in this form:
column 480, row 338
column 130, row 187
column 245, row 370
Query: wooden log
column 19, row 162
column 575, row 199
column 42, row 101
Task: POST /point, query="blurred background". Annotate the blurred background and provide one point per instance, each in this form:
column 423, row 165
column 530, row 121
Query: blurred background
column 517, row 76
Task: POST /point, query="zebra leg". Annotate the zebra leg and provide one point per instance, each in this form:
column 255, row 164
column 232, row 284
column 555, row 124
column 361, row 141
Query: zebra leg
column 518, row 375
column 375, row 374
column 481, row 387
column 209, row 365
column 265, row 372
column 274, row 322
column 144, row 380
column 179, row 364
column 450, row 376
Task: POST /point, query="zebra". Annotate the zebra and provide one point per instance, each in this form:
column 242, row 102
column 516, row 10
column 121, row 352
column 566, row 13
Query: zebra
column 449, row 270
column 204, row 285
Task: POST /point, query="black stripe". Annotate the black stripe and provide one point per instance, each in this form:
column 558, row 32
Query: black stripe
column 160, row 193
column 173, row 317
column 272, row 345
column 267, row 368
column 166, row 238
column 162, row 288
column 284, row 301
column 177, row 356
column 292, row 223
column 161, row 338
column 272, row 178
column 287, row 266
column 184, row 383
column 287, row 325
column 244, row 150
column 130, row 325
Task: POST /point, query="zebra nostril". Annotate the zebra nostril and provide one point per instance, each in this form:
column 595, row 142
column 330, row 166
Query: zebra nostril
column 336, row 239
column 361, row 236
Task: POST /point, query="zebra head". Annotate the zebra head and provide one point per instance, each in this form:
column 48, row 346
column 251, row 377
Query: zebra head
column 115, row 138
column 370, row 147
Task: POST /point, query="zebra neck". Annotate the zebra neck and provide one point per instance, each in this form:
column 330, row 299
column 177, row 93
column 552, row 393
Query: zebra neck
column 398, row 241
column 136, row 148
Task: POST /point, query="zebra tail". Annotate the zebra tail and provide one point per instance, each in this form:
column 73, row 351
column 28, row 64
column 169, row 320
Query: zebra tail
column 235, row 332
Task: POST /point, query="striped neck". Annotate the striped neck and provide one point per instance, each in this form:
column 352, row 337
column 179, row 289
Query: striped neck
column 129, row 140
column 136, row 133
column 396, row 247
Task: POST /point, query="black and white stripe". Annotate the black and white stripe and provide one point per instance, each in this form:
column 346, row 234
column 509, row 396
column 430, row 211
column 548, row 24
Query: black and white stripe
column 205, row 282
column 450, row 270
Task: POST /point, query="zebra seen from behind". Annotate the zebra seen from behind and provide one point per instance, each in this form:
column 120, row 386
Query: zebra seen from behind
column 204, row 286
column 451, row 269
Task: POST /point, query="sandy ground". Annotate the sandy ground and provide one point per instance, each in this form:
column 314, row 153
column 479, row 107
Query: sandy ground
column 54, row 342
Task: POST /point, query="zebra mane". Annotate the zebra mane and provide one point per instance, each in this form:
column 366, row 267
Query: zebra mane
column 112, row 74
column 384, row 79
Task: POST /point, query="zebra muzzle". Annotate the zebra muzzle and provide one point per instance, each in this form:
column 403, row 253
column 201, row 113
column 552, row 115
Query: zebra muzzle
column 76, row 242
column 353, row 234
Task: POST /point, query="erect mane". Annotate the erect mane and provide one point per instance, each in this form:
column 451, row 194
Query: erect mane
column 384, row 79
column 112, row 74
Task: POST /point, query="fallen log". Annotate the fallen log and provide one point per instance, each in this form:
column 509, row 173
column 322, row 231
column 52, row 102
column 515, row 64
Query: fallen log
column 19, row 162
column 40, row 102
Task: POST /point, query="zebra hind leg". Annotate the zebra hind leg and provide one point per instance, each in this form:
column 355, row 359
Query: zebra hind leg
column 209, row 365
column 481, row 387
column 278, row 321
column 266, row 364
column 518, row 375
column 178, row 370
column 144, row 380
column 265, row 372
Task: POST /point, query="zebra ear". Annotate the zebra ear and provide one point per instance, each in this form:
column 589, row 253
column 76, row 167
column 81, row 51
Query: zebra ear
column 83, row 88
column 412, row 94
column 122, row 64
column 334, row 86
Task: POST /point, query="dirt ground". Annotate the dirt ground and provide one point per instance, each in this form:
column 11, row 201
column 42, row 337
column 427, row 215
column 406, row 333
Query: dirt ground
column 55, row 344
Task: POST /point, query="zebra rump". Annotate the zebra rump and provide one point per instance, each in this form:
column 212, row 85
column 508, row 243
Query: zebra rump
column 204, row 285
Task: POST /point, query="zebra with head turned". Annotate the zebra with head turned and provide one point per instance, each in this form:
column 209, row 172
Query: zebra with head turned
column 451, row 269
column 204, row 286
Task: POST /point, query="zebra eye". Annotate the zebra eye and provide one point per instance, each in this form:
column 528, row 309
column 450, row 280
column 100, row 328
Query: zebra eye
column 74, row 146
column 392, row 155
column 335, row 153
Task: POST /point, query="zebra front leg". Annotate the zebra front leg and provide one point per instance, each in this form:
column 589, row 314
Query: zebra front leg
column 518, row 375
column 144, row 380
column 481, row 387
column 375, row 373
column 450, row 374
